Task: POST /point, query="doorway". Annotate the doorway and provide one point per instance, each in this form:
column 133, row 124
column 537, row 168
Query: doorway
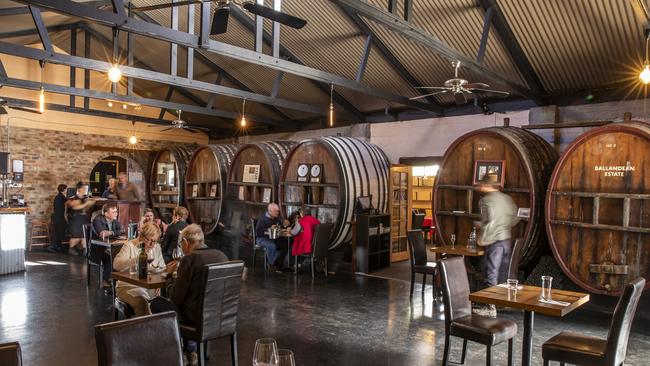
column 104, row 170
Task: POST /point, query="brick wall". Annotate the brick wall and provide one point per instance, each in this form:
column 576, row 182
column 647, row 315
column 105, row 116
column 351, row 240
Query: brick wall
column 53, row 157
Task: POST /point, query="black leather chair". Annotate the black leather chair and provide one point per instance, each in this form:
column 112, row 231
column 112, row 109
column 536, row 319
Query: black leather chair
column 10, row 354
column 417, row 220
column 320, row 244
column 146, row 340
column 459, row 320
column 419, row 261
column 578, row 349
column 90, row 259
column 513, row 267
column 257, row 248
column 218, row 309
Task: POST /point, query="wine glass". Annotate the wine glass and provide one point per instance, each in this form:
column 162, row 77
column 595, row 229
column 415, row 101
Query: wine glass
column 265, row 353
column 177, row 254
column 453, row 240
column 150, row 259
column 285, row 358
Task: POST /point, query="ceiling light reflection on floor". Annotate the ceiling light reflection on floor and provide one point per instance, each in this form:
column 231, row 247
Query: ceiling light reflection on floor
column 53, row 263
column 13, row 308
column 29, row 263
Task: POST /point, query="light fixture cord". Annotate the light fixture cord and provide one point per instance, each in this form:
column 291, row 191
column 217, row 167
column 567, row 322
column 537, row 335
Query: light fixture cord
column 647, row 40
column 243, row 108
column 331, row 92
column 42, row 73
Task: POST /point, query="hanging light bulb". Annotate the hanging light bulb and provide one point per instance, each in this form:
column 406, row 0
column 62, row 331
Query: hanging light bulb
column 114, row 74
column 243, row 114
column 331, row 106
column 133, row 140
column 645, row 73
column 41, row 101
column 109, row 104
column 41, row 96
column 124, row 106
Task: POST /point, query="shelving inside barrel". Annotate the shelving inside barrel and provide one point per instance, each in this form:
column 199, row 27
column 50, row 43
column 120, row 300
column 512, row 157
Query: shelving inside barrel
column 598, row 208
column 328, row 174
column 253, row 181
column 205, row 182
column 167, row 177
column 520, row 159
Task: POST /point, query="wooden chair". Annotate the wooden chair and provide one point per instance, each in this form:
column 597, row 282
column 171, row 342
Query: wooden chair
column 40, row 230
column 419, row 263
column 218, row 308
column 147, row 341
column 579, row 349
column 10, row 354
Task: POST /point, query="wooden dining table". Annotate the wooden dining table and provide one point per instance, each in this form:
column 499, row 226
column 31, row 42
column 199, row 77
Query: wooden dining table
column 527, row 298
column 286, row 233
column 459, row 250
column 153, row 280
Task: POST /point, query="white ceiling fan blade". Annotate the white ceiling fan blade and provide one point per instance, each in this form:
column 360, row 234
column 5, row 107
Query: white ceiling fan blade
column 476, row 85
column 489, row 91
column 431, row 87
column 430, row 94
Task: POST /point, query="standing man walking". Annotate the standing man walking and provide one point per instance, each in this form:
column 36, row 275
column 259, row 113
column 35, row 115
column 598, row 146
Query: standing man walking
column 498, row 216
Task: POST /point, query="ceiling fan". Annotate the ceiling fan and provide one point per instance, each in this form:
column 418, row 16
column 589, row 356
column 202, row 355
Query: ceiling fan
column 4, row 104
column 461, row 89
column 221, row 14
column 180, row 124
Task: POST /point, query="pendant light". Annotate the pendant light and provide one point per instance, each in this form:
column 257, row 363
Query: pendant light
column 243, row 114
column 41, row 96
column 645, row 73
column 114, row 73
column 331, row 114
column 133, row 139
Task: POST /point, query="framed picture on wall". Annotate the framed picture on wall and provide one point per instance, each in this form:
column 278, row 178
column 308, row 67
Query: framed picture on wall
column 489, row 172
column 251, row 174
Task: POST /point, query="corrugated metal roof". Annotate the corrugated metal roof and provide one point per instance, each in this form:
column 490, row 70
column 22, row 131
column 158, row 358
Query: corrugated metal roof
column 577, row 45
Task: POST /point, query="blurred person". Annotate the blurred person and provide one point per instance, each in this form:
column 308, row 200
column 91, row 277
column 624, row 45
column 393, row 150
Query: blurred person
column 150, row 216
column 127, row 258
column 170, row 239
column 498, row 216
column 77, row 206
column 59, row 222
column 111, row 191
column 126, row 191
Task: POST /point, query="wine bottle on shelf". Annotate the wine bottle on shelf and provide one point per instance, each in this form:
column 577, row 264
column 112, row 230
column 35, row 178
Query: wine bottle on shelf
column 142, row 263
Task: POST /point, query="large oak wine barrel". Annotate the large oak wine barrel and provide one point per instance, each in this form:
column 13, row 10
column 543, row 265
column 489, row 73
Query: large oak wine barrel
column 346, row 169
column 253, row 180
column 166, row 184
column 205, row 182
column 598, row 208
column 527, row 161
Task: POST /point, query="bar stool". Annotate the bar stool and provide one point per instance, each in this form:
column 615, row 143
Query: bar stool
column 40, row 230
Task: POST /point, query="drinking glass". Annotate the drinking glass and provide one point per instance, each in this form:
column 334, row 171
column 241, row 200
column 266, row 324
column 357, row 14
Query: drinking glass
column 512, row 288
column 177, row 254
column 150, row 259
column 546, row 287
column 133, row 267
column 265, row 353
column 453, row 241
column 285, row 358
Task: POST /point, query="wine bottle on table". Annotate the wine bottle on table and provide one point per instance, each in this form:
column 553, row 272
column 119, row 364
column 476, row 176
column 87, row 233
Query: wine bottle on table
column 142, row 263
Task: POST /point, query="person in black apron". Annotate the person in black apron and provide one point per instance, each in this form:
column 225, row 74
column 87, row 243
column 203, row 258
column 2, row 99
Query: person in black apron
column 77, row 207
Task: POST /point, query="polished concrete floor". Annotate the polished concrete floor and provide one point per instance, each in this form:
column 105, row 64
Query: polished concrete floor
column 341, row 320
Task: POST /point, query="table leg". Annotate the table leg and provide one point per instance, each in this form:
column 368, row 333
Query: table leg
column 527, row 345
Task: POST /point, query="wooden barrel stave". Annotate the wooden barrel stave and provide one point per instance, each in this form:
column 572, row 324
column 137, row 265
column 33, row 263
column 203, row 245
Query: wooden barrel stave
column 180, row 155
column 207, row 173
column 529, row 161
column 355, row 167
column 598, row 245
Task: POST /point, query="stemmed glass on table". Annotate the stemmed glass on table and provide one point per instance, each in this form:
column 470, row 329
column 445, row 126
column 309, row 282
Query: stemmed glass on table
column 453, row 241
column 266, row 353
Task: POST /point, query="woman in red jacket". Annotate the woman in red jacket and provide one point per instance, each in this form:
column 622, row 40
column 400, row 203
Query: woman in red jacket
column 303, row 232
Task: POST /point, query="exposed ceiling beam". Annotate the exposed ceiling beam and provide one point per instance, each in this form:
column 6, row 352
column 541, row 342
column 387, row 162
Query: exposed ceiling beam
column 407, row 30
column 285, row 53
column 34, row 31
column 383, row 49
column 511, row 44
column 211, row 64
column 40, row 27
column 189, row 40
column 92, row 112
column 20, row 10
column 101, row 66
column 66, row 90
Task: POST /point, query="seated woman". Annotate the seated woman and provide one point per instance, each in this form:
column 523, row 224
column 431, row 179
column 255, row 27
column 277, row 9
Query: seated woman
column 303, row 232
column 127, row 258
column 149, row 216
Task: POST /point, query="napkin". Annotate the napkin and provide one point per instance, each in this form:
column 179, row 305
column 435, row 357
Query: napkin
column 555, row 302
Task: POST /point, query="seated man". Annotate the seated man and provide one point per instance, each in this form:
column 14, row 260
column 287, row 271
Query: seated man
column 186, row 292
column 275, row 251
column 105, row 226
column 170, row 238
